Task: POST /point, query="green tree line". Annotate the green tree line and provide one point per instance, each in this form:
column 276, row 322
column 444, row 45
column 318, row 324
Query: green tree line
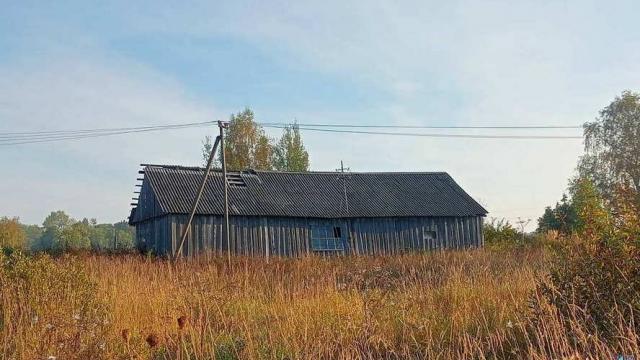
column 60, row 233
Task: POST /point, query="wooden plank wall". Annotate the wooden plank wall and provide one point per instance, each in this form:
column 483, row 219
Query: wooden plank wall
column 252, row 235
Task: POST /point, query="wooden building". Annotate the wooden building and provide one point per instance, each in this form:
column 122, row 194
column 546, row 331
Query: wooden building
column 295, row 213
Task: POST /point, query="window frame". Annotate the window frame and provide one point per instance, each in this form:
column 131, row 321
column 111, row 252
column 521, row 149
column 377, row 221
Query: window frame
column 327, row 243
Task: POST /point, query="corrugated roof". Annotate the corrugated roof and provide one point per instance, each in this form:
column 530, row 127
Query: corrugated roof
column 312, row 194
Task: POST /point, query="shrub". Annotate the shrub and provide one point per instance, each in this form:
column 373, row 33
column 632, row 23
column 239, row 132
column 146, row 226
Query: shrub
column 595, row 279
column 11, row 233
column 500, row 233
column 49, row 308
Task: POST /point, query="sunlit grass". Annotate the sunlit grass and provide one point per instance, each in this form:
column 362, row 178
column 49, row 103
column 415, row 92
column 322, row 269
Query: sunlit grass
column 465, row 304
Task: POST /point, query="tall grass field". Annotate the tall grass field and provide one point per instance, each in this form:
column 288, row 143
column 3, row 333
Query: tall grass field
column 475, row 304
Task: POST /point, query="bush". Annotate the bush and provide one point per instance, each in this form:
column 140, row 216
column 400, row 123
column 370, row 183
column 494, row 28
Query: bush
column 500, row 233
column 49, row 308
column 11, row 233
column 595, row 279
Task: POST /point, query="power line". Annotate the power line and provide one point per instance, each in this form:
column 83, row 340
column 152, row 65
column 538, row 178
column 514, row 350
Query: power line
column 462, row 136
column 82, row 131
column 73, row 131
column 507, row 127
column 30, row 137
column 83, row 134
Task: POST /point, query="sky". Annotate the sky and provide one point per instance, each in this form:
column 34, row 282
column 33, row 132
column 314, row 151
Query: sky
column 75, row 65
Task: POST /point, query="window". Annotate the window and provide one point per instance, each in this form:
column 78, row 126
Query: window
column 430, row 235
column 430, row 238
column 326, row 238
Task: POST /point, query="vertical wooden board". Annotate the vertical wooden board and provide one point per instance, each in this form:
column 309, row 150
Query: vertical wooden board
column 365, row 238
column 382, row 247
column 271, row 236
column 397, row 228
column 251, row 234
column 457, row 228
column 467, row 228
column 284, row 237
column 289, row 235
column 472, row 232
column 294, row 237
column 307, row 239
column 376, row 240
column 255, row 244
column 299, row 224
column 481, row 231
column 354, row 236
column 391, row 246
column 391, row 235
column 172, row 241
column 362, row 239
column 446, row 227
column 277, row 238
column 465, row 231
column 251, row 245
column 357, row 237
column 435, row 225
column 220, row 234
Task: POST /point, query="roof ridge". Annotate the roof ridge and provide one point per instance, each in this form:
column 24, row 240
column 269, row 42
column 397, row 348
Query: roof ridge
column 183, row 167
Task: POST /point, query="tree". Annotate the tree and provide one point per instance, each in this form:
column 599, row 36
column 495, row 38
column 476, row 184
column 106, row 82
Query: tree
column 562, row 218
column 246, row 145
column 62, row 233
column 125, row 234
column 594, row 219
column 612, row 148
column 290, row 154
column 11, row 233
column 34, row 233
column 206, row 149
column 74, row 237
column 57, row 220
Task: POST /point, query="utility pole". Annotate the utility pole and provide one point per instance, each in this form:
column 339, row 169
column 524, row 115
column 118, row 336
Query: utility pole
column 343, row 177
column 222, row 126
column 342, row 168
column 178, row 253
column 522, row 223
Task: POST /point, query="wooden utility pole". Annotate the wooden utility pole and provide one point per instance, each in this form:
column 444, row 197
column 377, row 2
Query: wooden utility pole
column 223, row 126
column 212, row 155
column 342, row 168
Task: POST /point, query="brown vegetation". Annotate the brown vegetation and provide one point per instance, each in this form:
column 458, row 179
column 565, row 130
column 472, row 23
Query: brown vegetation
column 468, row 304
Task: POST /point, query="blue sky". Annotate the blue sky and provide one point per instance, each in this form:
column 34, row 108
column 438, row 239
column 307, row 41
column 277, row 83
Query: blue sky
column 68, row 65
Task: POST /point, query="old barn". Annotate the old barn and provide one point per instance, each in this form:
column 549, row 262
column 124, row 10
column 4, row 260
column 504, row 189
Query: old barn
column 295, row 213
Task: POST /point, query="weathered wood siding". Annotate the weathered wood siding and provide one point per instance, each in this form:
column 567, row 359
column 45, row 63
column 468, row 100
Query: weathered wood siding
column 259, row 236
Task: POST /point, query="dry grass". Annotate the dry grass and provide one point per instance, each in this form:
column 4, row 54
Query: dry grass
column 471, row 304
